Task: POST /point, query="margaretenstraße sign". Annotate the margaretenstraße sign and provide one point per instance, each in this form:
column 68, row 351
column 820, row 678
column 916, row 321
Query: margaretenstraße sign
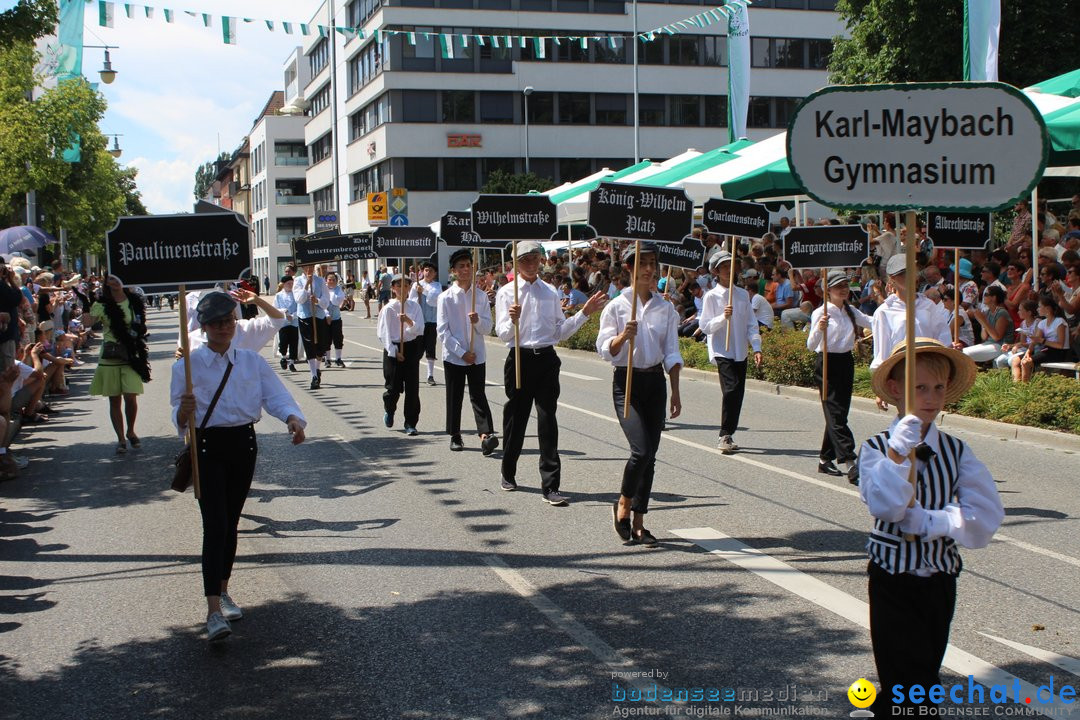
column 962, row 147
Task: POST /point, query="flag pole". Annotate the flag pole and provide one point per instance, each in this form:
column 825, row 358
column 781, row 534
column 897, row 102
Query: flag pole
column 192, row 436
column 633, row 318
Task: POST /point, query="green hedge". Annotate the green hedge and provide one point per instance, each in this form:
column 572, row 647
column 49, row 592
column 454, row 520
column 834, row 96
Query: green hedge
column 1048, row 401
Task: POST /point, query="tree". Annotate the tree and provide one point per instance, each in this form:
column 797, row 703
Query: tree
column 501, row 182
column 133, row 204
column 28, row 20
column 205, row 174
column 893, row 41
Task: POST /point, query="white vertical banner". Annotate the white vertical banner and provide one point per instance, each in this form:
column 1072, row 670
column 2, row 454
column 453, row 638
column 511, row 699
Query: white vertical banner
column 738, row 69
column 982, row 28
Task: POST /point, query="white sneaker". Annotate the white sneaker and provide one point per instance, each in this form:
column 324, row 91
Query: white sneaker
column 217, row 628
column 726, row 445
column 229, row 609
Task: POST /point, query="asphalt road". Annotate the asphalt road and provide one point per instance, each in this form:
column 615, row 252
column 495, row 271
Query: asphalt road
column 383, row 576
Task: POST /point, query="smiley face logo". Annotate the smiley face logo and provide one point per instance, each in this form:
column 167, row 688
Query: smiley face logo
column 862, row 693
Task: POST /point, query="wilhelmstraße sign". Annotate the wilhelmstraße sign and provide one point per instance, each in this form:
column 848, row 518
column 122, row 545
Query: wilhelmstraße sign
column 959, row 231
column 731, row 217
column 640, row 212
column 167, row 250
column 456, row 231
column 320, row 248
column 403, row 242
column 689, row 253
column 959, row 147
column 514, row 217
column 826, row 246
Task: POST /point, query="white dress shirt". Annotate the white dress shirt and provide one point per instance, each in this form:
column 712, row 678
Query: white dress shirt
column 841, row 331
column 971, row 520
column 889, row 325
column 453, row 324
column 389, row 327
column 762, row 309
column 744, row 329
column 542, row 322
column 302, row 293
column 251, row 334
column 657, row 339
column 252, row 387
column 426, row 294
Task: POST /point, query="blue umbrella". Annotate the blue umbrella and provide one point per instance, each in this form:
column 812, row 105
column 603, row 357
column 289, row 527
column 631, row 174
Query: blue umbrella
column 23, row 238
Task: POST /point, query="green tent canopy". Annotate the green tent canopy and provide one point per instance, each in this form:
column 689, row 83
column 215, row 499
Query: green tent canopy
column 702, row 162
column 1067, row 85
column 585, row 187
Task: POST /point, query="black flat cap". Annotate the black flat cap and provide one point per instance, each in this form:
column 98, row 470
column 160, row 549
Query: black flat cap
column 214, row 306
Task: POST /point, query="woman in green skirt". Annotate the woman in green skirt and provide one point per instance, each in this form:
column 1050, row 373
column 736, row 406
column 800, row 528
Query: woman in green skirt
column 124, row 364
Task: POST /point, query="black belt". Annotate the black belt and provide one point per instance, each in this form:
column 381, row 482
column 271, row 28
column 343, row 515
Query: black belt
column 538, row 350
column 226, row 429
column 657, row 368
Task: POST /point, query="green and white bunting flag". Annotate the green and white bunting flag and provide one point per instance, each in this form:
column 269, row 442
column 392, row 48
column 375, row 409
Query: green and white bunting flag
column 412, row 38
column 738, row 70
column 129, row 10
column 446, row 46
column 322, row 30
column 228, row 30
column 106, row 13
column 539, row 48
column 269, row 25
column 480, row 40
column 169, row 17
column 149, row 11
column 287, row 27
column 207, row 20
column 304, row 30
column 982, row 28
column 584, row 42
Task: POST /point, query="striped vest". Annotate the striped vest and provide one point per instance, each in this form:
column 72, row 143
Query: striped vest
column 935, row 487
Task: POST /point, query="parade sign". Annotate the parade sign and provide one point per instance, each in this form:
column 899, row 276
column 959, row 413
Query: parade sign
column 403, row 242
column 962, row 147
column 689, row 254
column 731, row 217
column 826, row 246
column 456, row 231
column 641, row 212
column 314, row 249
column 958, row 231
column 514, row 217
column 169, row 250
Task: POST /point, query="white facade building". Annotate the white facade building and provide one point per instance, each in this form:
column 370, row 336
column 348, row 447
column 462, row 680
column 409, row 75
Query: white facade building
column 406, row 117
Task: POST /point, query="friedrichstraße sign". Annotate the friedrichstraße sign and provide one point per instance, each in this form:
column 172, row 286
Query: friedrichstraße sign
column 962, row 147
column 959, row 231
column 689, row 254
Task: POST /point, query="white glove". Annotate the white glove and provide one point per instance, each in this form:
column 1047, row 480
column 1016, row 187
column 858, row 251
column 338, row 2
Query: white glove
column 914, row 519
column 906, row 435
column 926, row 524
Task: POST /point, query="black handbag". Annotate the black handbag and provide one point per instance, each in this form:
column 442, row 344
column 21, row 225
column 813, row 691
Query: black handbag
column 181, row 480
column 111, row 350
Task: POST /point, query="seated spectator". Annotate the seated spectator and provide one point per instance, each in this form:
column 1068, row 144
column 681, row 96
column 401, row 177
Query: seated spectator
column 689, row 326
column 1013, row 353
column 997, row 326
column 1050, row 341
column 762, row 310
column 781, row 291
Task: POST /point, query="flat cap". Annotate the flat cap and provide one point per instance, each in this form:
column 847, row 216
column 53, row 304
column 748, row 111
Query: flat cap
column 837, row 278
column 719, row 259
column 527, row 247
column 460, row 254
column 750, row 274
column 646, row 247
column 896, row 265
column 395, row 278
column 214, row 306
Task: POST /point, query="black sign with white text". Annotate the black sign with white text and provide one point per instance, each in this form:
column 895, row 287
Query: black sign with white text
column 456, row 231
column 641, row 212
column 320, row 248
column 963, row 231
column 394, row 241
column 826, row 246
column 689, row 254
column 731, row 217
column 169, row 250
column 514, row 217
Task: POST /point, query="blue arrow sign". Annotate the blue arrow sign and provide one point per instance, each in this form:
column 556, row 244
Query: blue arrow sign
column 399, row 220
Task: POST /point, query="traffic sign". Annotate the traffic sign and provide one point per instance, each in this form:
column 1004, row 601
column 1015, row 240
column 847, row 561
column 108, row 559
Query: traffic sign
column 377, row 213
column 399, row 220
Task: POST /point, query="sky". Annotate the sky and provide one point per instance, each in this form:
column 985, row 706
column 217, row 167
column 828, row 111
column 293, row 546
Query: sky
column 181, row 93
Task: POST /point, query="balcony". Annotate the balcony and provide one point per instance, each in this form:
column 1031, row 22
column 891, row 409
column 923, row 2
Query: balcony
column 292, row 199
column 290, row 160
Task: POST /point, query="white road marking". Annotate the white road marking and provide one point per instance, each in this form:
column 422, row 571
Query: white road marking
column 998, row 537
column 1066, row 663
column 851, row 608
column 567, row 373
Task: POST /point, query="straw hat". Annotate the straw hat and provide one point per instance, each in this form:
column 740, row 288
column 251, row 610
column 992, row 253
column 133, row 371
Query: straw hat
column 72, row 281
column 961, row 378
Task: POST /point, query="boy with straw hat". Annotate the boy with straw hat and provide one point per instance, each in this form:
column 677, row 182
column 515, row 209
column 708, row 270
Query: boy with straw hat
column 914, row 560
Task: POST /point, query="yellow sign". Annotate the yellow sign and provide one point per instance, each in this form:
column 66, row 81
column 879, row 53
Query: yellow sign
column 377, row 210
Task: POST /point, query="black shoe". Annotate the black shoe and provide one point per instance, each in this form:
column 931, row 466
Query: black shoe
column 339, row 363
column 455, row 443
column 488, row 444
column 646, row 538
column 320, row 375
column 554, row 497
column 315, row 383
column 292, row 368
column 508, row 485
column 284, row 363
column 828, row 468
column 622, row 527
column 853, row 474
column 430, row 380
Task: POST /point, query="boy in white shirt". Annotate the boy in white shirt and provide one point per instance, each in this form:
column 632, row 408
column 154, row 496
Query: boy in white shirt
column 402, row 340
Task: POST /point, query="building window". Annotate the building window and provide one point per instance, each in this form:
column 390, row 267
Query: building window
column 788, row 53
column 420, row 56
column 459, row 174
column 573, row 108
column 604, row 53
column 542, row 108
column 652, row 53
column 759, row 114
column 319, row 102
column 290, row 153
column 785, row 110
column 364, row 66
column 714, row 50
column 288, row 228
column 611, row 109
column 323, row 199
column 369, row 180
column 290, row 192
column 358, row 11
column 651, row 109
column 319, row 56
column 819, row 52
column 490, row 165
column 321, row 148
column 571, row 51
column 685, row 111
column 571, row 169
column 495, row 59
column 458, row 106
column 497, row 107
column 716, row 110
column 422, row 173
column 418, row 106
column 684, row 49
column 463, row 54
column 760, row 52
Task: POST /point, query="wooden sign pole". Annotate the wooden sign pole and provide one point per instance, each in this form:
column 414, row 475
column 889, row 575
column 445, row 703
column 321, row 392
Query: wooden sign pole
column 909, row 347
column 633, row 318
column 825, row 338
column 956, row 297
column 472, row 325
column 517, row 335
column 401, row 310
column 192, row 436
column 731, row 295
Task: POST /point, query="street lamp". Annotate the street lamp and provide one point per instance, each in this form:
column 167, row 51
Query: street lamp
column 107, row 73
column 527, row 92
column 115, row 150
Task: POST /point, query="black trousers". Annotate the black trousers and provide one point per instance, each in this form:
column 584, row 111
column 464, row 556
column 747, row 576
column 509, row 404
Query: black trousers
column 456, row 377
column 430, row 335
column 288, row 341
column 337, row 338
column 539, row 385
column 909, row 629
column 315, row 346
column 226, row 467
column 403, row 377
column 838, row 443
column 648, row 411
column 732, row 388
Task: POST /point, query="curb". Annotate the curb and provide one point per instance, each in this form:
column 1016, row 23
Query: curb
column 1053, row 439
